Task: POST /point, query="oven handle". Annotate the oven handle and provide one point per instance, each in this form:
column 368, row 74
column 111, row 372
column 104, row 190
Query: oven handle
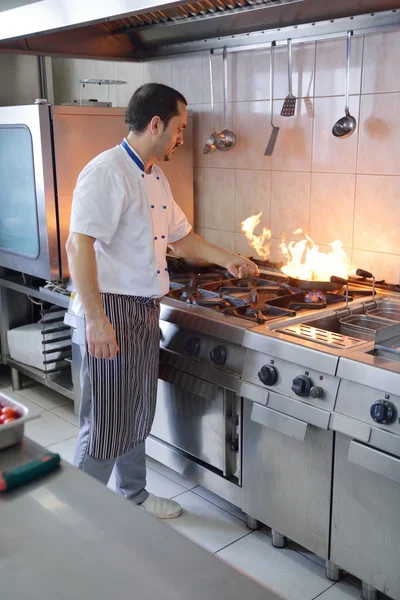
column 187, row 382
column 279, row 422
column 373, row 460
column 350, row 427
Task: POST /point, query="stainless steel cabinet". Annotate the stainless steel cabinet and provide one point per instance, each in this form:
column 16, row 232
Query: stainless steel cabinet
column 287, row 469
column 366, row 514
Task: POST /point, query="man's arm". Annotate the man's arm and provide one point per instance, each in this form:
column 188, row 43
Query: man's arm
column 194, row 246
column 100, row 334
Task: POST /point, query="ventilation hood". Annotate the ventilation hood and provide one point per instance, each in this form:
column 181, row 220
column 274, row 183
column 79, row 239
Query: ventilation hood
column 142, row 29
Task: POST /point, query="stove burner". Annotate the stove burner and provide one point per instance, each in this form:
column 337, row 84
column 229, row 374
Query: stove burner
column 188, row 292
column 257, row 299
column 315, row 297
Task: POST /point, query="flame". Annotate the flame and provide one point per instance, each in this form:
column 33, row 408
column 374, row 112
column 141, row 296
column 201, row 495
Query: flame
column 306, row 262
column 260, row 243
column 304, row 259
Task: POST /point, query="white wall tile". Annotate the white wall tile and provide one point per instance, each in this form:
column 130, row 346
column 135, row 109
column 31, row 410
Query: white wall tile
column 132, row 73
column 290, row 203
column 253, row 132
column 224, row 239
column 379, row 145
column 219, row 199
column 187, row 78
column 19, row 79
column 303, row 65
column 377, row 214
column 381, row 63
column 332, row 208
column 383, row 266
column 104, row 69
column 158, row 71
column 242, row 245
column 66, row 75
column 293, row 146
column 331, row 67
column 253, row 75
column 331, row 154
column 253, row 195
column 218, row 78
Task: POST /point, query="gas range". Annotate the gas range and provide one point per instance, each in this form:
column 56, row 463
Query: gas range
column 260, row 299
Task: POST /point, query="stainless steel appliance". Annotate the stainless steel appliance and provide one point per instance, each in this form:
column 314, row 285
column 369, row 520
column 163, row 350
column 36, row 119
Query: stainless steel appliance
column 43, row 148
column 287, row 445
column 120, row 29
column 213, row 365
column 366, row 485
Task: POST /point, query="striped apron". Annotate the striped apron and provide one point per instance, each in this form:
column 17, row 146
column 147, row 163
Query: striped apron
column 124, row 390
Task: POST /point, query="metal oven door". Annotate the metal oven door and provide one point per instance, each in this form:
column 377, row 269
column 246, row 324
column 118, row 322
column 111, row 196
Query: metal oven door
column 366, row 513
column 28, row 223
column 200, row 419
column 287, row 469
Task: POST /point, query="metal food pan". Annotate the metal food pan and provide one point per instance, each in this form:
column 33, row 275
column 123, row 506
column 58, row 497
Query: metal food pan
column 12, row 433
column 362, row 326
column 385, row 313
column 387, row 310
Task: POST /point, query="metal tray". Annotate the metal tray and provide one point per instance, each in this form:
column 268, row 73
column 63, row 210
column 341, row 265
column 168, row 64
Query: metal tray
column 385, row 313
column 362, row 326
column 386, row 310
column 12, row 433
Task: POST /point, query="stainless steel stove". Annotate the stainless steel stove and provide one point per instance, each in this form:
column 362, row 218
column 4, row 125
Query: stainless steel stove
column 251, row 391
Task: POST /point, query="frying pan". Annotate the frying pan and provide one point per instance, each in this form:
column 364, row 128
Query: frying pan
column 325, row 286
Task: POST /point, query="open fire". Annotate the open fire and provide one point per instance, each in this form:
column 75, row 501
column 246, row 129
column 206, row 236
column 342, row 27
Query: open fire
column 304, row 259
column 260, row 243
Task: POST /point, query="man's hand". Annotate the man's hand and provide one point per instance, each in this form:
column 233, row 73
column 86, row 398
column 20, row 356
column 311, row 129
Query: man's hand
column 193, row 246
column 242, row 267
column 100, row 337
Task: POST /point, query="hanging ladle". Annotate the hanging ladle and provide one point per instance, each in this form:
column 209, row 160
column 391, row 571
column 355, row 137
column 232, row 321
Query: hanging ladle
column 346, row 126
column 225, row 139
column 210, row 146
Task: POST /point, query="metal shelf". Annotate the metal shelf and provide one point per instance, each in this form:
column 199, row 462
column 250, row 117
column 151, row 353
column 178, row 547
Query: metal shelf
column 63, row 386
column 39, row 294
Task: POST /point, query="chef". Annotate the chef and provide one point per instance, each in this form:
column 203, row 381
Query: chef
column 123, row 217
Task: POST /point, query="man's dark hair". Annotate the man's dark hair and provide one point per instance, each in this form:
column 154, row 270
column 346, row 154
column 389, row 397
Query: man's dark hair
column 152, row 100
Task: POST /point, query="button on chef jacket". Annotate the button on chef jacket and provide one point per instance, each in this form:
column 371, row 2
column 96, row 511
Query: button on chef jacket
column 133, row 216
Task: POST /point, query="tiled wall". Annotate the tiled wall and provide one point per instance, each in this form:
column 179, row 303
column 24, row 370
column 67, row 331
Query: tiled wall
column 334, row 189
column 19, row 79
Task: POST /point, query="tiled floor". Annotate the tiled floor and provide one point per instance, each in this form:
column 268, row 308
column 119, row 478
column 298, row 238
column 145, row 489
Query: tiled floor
column 207, row 519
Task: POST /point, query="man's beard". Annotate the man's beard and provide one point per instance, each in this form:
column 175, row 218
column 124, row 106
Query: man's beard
column 168, row 156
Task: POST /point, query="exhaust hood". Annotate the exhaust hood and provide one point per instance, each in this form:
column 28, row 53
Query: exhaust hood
column 143, row 29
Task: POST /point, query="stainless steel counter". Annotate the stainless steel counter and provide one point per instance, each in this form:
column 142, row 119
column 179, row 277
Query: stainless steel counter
column 67, row 537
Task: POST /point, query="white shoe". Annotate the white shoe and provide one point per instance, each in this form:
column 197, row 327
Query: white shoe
column 162, row 508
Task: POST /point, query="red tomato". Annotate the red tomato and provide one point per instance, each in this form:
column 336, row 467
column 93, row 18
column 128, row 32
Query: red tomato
column 2, row 419
column 8, row 411
column 9, row 420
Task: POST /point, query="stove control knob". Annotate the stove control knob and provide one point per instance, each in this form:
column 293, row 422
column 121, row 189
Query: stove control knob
column 218, row 355
column 302, row 385
column 192, row 346
column 383, row 412
column 268, row 375
column 317, row 392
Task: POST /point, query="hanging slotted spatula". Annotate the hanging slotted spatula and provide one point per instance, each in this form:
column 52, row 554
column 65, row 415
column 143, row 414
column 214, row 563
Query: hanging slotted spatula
column 289, row 104
column 275, row 130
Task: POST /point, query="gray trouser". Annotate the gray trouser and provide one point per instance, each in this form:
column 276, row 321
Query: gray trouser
column 130, row 469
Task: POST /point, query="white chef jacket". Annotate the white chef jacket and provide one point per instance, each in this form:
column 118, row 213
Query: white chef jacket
column 133, row 217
